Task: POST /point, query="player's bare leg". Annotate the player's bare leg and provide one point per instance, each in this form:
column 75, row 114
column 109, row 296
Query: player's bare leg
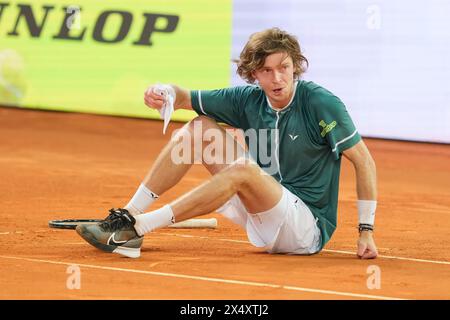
column 239, row 177
column 257, row 191
column 122, row 233
column 167, row 170
column 165, row 173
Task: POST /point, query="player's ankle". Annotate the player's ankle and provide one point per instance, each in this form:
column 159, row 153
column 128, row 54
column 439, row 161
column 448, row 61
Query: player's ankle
column 133, row 210
column 159, row 218
column 141, row 201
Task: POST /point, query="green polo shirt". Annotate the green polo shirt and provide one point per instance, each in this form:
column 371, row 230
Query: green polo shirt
column 300, row 146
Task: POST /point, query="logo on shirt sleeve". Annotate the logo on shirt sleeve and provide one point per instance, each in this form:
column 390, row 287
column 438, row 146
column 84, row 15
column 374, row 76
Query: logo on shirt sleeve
column 326, row 127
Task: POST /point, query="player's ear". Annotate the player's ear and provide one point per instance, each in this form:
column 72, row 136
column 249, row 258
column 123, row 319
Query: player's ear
column 255, row 79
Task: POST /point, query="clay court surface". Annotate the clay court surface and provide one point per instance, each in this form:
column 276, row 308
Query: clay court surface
column 67, row 165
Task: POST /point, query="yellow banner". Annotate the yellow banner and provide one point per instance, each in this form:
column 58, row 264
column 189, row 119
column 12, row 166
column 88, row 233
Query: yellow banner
column 99, row 56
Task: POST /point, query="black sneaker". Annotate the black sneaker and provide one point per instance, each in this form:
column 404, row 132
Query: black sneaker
column 115, row 234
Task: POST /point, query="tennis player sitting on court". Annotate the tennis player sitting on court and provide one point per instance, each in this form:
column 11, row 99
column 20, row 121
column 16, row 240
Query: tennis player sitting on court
column 286, row 205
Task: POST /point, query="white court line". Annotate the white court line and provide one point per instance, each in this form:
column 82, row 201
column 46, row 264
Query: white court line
column 209, row 279
column 13, row 232
column 324, row 250
column 392, row 257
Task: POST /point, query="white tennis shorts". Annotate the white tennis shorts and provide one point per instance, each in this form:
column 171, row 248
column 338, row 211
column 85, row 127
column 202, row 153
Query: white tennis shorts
column 289, row 227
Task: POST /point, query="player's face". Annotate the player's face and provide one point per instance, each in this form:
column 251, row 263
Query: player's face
column 276, row 78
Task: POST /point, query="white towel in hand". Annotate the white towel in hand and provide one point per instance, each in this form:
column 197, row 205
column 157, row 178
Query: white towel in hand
column 167, row 108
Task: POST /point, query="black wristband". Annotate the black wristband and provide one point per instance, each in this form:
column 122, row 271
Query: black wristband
column 365, row 227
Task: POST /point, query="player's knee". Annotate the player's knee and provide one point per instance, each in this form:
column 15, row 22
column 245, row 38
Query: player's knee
column 242, row 171
column 195, row 129
column 201, row 123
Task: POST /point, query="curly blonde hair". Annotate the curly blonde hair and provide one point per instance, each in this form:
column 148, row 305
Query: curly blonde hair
column 264, row 43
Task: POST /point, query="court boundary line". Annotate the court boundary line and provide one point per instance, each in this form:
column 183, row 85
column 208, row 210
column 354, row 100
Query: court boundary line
column 323, row 250
column 209, row 279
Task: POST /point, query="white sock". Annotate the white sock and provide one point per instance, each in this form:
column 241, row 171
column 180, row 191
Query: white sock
column 141, row 200
column 160, row 218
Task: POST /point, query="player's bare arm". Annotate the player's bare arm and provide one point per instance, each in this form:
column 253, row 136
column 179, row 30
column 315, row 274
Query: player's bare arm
column 366, row 188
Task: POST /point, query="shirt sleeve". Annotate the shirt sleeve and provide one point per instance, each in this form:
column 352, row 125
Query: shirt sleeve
column 333, row 122
column 223, row 105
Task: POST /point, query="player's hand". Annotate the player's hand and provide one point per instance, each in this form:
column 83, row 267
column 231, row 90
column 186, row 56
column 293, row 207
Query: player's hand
column 153, row 98
column 366, row 246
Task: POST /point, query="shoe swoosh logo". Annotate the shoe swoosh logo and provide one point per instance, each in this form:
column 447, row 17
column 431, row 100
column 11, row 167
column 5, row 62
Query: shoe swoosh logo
column 112, row 241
